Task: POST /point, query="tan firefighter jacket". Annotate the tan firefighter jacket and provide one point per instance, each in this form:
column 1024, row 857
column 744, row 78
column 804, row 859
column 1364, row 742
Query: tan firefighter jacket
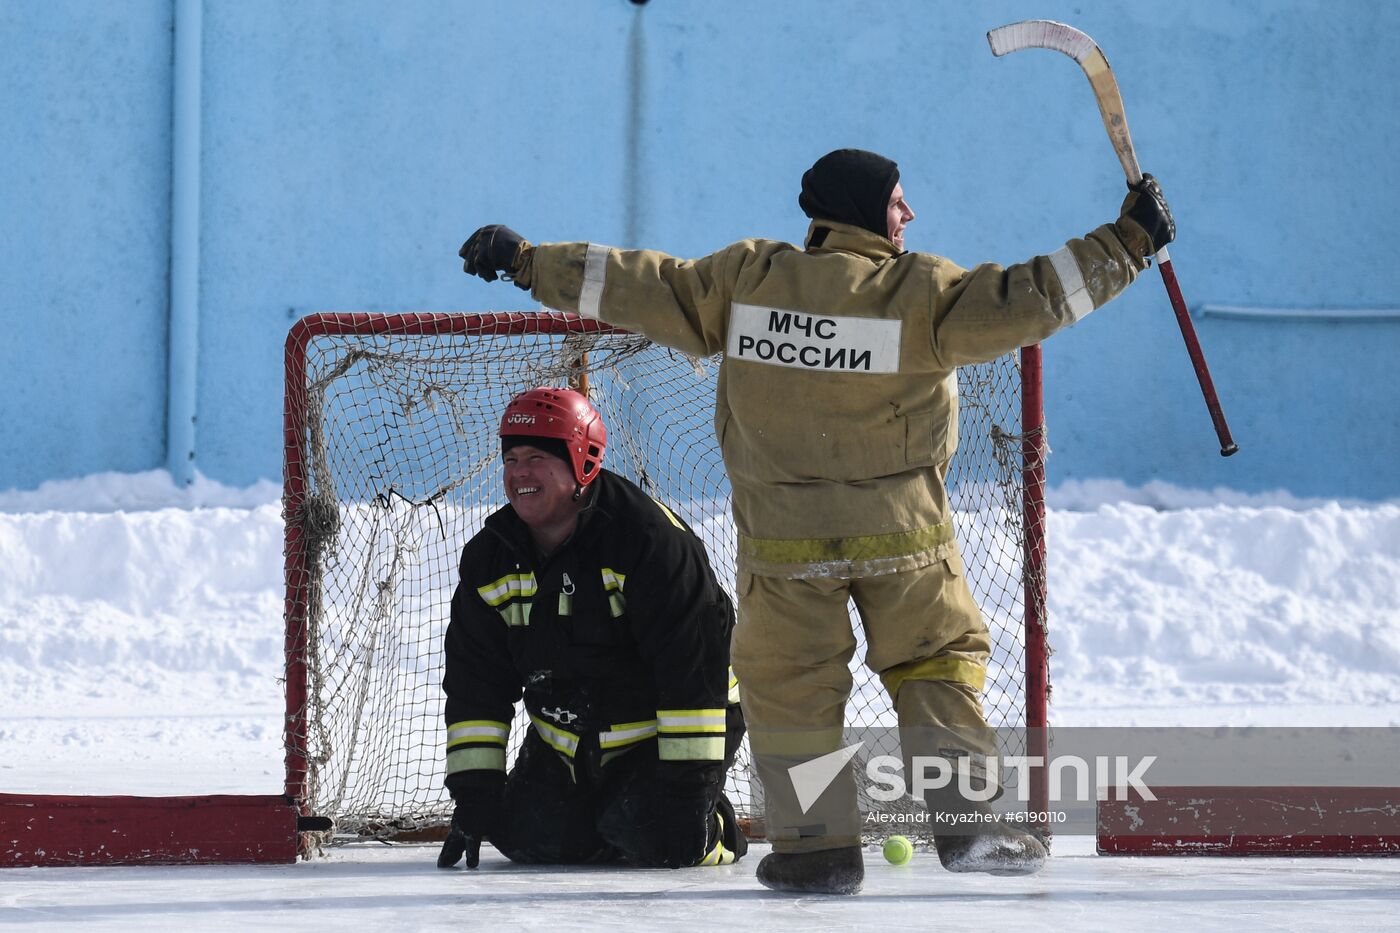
column 837, row 406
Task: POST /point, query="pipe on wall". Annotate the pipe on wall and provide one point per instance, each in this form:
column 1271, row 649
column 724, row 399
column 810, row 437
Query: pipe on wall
column 183, row 346
column 633, row 196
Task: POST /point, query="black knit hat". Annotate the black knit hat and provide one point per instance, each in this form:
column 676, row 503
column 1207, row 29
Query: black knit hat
column 550, row 445
column 850, row 186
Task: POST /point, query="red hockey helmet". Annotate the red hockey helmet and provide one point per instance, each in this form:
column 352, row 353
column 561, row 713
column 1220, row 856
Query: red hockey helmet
column 563, row 415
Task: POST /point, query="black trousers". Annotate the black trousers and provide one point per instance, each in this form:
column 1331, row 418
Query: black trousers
column 609, row 814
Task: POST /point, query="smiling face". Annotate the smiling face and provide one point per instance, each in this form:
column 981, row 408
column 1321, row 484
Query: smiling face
column 897, row 215
column 540, row 487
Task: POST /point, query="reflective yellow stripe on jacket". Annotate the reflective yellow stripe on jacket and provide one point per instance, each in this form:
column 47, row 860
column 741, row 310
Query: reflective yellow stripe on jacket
column 690, row 734
column 787, row 553
column 669, row 514
column 613, row 583
column 477, row 745
column 510, row 596
column 561, row 740
column 627, row 733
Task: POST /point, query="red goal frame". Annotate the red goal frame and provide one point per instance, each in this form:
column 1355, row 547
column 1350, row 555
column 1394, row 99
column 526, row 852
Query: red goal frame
column 1034, row 453
column 57, row 830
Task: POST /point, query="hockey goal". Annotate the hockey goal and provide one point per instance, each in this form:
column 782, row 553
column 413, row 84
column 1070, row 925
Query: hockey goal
column 392, row 462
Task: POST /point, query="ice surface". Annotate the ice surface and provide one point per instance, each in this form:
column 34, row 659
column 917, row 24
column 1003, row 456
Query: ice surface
column 399, row 888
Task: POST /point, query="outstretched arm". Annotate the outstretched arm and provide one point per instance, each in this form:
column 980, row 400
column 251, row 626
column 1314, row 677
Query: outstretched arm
column 992, row 310
column 680, row 303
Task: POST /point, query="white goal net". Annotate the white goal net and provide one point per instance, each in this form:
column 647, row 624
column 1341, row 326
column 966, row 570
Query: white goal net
column 393, row 461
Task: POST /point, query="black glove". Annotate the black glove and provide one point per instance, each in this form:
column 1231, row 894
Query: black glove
column 1146, row 207
column 478, row 798
column 685, row 822
column 493, row 251
column 460, row 840
column 689, row 793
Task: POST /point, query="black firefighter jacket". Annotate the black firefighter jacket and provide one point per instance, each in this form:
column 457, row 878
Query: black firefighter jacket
column 621, row 636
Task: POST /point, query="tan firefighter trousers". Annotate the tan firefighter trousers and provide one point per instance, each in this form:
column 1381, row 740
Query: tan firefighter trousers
column 792, row 648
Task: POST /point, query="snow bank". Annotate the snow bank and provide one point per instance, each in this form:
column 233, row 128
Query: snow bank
column 1196, row 609
column 141, row 624
column 153, row 489
column 105, row 613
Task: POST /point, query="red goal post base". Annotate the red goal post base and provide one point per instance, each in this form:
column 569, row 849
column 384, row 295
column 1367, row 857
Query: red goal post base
column 54, row 830
column 1286, row 821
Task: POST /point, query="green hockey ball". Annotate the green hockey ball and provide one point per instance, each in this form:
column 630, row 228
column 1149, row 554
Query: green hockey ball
column 898, row 850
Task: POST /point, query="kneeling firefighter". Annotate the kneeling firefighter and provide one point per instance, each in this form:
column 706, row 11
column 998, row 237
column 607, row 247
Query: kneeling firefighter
column 596, row 604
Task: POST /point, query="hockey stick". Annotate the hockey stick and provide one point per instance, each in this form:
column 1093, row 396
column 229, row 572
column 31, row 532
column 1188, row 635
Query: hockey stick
column 1046, row 34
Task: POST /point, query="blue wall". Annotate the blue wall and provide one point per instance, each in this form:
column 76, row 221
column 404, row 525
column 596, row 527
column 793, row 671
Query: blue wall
column 349, row 148
column 84, row 237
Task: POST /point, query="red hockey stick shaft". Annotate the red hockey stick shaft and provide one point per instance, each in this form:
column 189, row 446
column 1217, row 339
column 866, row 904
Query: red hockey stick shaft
column 1198, row 359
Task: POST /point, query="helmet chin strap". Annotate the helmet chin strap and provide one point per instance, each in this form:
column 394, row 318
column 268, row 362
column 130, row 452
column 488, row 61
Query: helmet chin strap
column 578, row 492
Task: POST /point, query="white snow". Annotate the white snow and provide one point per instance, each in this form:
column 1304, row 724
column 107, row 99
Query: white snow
column 1226, row 615
column 141, row 651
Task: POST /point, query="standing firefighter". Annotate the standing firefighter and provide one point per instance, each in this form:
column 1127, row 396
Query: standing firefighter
column 837, row 414
column 599, row 605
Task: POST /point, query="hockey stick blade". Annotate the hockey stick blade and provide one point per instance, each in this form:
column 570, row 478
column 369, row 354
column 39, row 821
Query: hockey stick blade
column 1059, row 37
column 1041, row 34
